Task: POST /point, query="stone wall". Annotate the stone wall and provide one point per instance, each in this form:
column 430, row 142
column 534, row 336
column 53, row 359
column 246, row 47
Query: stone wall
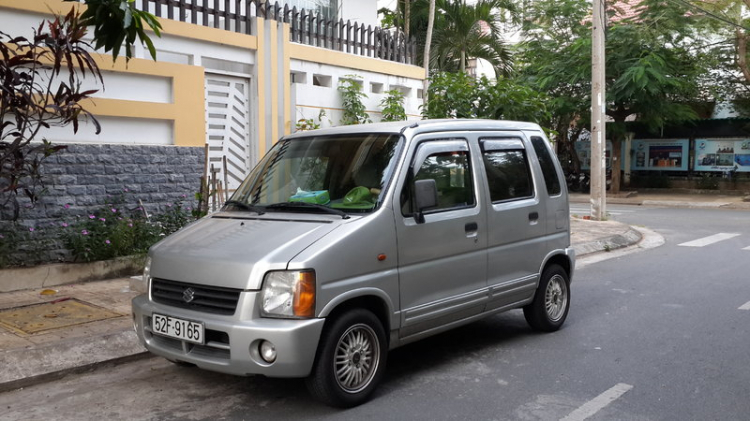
column 84, row 178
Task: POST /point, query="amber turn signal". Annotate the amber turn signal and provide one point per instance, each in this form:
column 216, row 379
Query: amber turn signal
column 304, row 295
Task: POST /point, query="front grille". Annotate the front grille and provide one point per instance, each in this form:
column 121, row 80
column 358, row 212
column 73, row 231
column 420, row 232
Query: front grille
column 207, row 299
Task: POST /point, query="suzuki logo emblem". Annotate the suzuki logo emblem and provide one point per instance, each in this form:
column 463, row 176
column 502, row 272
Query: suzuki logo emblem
column 188, row 295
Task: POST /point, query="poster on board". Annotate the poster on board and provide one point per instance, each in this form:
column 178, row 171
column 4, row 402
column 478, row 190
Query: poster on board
column 722, row 155
column 583, row 150
column 660, row 155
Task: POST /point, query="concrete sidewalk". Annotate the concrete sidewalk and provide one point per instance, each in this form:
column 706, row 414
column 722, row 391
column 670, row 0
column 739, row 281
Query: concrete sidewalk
column 47, row 333
column 673, row 199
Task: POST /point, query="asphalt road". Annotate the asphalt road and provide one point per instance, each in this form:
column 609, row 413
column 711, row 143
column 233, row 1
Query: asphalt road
column 656, row 335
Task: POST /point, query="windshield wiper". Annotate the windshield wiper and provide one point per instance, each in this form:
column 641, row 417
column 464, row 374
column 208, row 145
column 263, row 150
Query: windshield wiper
column 292, row 205
column 242, row 205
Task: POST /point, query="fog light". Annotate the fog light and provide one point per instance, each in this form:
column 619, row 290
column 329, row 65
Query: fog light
column 268, row 351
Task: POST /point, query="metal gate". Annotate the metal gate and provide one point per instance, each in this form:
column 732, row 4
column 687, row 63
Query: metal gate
column 230, row 153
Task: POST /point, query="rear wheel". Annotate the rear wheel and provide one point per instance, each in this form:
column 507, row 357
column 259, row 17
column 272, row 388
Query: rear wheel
column 548, row 311
column 350, row 361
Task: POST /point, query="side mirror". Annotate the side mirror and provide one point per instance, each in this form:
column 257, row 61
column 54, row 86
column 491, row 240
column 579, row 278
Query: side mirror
column 425, row 197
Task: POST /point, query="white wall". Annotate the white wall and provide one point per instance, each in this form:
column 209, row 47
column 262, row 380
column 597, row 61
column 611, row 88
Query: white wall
column 310, row 99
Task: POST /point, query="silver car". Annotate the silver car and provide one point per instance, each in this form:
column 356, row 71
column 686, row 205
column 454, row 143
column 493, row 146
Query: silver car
column 347, row 242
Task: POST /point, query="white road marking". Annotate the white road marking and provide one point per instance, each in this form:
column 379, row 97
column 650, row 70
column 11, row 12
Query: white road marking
column 745, row 306
column 598, row 403
column 708, row 240
column 746, row 248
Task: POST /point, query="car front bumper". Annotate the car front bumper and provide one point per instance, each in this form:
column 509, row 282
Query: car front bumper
column 232, row 342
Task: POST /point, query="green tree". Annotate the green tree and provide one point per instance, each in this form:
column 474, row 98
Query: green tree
column 555, row 59
column 457, row 95
column 730, row 49
column 656, row 66
column 117, row 24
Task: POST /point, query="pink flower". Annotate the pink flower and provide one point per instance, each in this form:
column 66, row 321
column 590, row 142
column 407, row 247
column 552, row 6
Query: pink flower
column 64, row 224
column 2, row 236
column 84, row 232
column 113, row 210
column 130, row 225
column 92, row 216
column 107, row 242
column 67, row 206
column 125, row 190
column 102, row 219
column 31, row 229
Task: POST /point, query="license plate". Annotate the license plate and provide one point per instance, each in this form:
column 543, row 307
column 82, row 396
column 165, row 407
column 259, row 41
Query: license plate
column 177, row 328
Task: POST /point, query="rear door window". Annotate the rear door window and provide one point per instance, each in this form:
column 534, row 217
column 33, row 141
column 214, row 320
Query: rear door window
column 507, row 169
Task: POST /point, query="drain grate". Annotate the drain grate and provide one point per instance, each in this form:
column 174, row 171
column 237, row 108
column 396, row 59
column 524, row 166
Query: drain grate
column 57, row 314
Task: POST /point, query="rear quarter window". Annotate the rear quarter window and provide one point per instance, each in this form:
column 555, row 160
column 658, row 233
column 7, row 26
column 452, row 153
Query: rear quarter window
column 547, row 164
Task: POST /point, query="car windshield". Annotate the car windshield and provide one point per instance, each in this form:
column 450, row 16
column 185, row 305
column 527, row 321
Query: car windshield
column 320, row 173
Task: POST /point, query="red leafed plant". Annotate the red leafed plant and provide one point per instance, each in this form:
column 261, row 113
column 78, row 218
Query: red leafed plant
column 40, row 87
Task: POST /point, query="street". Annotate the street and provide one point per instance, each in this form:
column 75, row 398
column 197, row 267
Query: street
column 656, row 335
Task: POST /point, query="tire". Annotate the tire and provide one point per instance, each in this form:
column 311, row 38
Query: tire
column 350, row 360
column 548, row 311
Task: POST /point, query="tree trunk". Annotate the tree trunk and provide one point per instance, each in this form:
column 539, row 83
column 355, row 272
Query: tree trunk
column 427, row 44
column 616, row 165
column 742, row 53
column 407, row 17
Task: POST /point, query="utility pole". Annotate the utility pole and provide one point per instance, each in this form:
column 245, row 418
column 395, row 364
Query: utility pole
column 598, row 115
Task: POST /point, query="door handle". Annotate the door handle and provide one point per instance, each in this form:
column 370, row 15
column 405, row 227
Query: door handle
column 533, row 216
column 472, row 230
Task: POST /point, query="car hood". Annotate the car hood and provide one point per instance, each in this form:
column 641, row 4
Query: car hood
column 227, row 250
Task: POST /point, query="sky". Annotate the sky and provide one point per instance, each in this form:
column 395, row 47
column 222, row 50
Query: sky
column 391, row 4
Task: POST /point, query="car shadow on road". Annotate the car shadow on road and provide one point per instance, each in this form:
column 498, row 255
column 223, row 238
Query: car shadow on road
column 437, row 358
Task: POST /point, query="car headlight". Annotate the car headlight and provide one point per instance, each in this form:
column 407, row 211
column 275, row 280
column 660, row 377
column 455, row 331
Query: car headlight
column 288, row 294
column 141, row 285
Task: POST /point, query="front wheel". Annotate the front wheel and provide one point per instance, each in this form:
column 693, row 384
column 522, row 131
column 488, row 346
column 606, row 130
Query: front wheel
column 350, row 361
column 551, row 303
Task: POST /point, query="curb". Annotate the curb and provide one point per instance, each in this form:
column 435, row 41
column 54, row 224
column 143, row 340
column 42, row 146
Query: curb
column 667, row 203
column 55, row 274
column 614, row 242
column 31, row 365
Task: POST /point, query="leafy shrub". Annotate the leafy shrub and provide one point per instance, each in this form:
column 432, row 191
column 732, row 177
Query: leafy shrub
column 707, row 182
column 393, row 106
column 651, row 181
column 114, row 230
column 351, row 101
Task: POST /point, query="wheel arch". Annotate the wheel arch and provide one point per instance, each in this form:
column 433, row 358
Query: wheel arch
column 371, row 299
column 562, row 258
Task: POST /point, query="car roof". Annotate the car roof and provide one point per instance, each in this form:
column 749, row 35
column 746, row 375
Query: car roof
column 420, row 126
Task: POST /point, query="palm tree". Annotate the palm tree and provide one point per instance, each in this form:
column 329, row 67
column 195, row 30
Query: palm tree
column 464, row 31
